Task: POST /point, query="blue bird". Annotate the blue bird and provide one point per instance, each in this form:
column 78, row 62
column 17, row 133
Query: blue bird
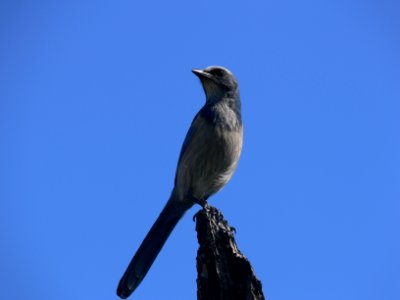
column 208, row 158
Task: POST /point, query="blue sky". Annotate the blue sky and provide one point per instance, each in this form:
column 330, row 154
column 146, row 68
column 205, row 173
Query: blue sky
column 95, row 101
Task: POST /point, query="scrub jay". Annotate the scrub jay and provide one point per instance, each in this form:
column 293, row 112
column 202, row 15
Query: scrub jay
column 208, row 158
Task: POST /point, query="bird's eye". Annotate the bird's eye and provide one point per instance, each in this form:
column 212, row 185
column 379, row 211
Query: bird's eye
column 217, row 72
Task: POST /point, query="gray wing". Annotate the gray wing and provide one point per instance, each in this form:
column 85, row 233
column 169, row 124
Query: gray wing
column 191, row 132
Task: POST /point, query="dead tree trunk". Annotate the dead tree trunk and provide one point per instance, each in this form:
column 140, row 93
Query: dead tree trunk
column 223, row 272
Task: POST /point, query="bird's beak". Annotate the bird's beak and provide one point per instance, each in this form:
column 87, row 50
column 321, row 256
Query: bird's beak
column 201, row 74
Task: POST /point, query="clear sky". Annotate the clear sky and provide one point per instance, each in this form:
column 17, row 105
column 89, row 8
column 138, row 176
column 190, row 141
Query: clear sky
column 95, row 101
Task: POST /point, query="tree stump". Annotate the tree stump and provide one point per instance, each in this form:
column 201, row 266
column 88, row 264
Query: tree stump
column 223, row 272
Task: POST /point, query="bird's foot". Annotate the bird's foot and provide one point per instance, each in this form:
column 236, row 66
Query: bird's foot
column 202, row 202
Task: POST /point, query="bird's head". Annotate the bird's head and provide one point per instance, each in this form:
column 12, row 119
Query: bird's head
column 217, row 82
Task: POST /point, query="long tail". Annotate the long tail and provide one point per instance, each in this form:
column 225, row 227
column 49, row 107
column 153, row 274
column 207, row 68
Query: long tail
column 150, row 247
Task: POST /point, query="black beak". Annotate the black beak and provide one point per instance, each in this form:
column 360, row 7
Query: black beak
column 201, row 74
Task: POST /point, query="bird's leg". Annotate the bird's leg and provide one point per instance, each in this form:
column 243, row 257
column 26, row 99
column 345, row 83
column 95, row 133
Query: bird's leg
column 202, row 202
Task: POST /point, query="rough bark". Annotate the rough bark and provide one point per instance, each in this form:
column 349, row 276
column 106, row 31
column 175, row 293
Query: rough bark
column 223, row 272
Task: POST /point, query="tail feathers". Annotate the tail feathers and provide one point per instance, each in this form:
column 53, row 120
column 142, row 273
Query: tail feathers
column 149, row 249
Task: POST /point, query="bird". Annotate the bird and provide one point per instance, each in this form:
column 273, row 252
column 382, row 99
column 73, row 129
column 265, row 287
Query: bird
column 207, row 161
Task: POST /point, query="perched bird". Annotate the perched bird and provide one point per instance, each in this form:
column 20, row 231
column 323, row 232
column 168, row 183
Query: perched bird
column 208, row 158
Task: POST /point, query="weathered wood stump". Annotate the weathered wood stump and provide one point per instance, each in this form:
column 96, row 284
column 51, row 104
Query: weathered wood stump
column 223, row 272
